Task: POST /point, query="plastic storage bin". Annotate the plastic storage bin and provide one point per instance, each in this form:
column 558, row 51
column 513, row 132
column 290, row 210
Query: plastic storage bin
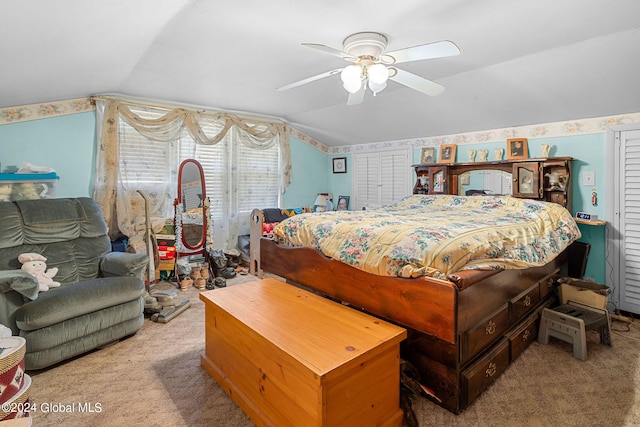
column 25, row 186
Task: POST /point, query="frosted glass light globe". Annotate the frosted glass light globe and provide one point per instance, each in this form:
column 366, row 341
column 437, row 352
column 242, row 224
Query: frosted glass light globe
column 376, row 87
column 378, row 73
column 352, row 78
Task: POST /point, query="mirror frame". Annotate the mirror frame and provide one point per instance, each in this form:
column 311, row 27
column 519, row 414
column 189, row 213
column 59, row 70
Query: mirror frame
column 178, row 201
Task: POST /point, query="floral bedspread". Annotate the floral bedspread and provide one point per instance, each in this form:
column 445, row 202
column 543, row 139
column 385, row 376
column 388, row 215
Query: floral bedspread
column 437, row 235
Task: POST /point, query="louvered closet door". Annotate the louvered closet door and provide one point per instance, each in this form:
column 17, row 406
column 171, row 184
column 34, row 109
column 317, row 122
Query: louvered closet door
column 630, row 221
column 394, row 177
column 366, row 181
column 381, row 178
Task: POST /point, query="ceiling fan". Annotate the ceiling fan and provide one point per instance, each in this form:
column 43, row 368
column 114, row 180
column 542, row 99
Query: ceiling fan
column 372, row 66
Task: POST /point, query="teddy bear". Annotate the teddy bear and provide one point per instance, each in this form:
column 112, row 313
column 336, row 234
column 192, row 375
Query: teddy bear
column 35, row 264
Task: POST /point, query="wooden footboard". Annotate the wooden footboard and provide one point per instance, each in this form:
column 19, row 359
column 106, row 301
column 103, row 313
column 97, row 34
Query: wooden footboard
column 424, row 304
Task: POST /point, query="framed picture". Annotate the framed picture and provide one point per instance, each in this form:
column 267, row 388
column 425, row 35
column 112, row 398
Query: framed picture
column 343, row 203
column 517, row 148
column 447, row 153
column 340, row 165
column 428, row 155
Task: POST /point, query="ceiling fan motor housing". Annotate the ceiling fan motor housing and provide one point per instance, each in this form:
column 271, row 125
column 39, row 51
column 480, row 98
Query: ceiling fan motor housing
column 365, row 44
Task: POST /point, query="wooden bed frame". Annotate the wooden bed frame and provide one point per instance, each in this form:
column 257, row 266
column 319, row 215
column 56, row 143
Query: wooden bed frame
column 461, row 334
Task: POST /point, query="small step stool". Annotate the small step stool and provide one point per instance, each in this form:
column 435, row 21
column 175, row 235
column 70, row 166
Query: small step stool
column 569, row 322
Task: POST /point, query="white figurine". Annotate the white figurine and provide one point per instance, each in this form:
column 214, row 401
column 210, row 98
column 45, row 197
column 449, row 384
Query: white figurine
column 545, row 149
column 482, row 155
column 472, row 155
column 498, row 152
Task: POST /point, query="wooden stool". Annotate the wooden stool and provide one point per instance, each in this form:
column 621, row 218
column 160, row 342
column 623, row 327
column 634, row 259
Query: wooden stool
column 569, row 322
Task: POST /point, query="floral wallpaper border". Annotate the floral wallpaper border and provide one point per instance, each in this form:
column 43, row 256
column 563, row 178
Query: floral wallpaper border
column 548, row 130
column 44, row 110
column 308, row 140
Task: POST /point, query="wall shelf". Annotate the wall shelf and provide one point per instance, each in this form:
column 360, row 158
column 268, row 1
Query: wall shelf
column 598, row 222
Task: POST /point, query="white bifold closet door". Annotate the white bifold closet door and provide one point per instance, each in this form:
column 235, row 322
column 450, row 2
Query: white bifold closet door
column 628, row 220
column 381, row 178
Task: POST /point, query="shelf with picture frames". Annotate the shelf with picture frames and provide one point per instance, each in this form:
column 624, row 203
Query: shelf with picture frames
column 547, row 178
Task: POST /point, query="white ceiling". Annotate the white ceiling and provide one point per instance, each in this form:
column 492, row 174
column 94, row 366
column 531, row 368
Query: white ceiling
column 522, row 62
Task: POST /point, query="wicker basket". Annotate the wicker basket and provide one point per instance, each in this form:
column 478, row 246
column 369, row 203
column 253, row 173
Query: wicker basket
column 12, row 351
column 12, row 375
column 18, row 404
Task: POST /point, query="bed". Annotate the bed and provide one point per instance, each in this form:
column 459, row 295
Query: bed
column 468, row 279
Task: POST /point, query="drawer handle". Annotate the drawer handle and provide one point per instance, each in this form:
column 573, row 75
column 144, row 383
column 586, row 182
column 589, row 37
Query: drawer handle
column 491, row 370
column 527, row 301
column 491, row 327
column 549, row 283
column 526, row 334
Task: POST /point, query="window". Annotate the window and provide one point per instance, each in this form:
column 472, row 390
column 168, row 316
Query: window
column 238, row 177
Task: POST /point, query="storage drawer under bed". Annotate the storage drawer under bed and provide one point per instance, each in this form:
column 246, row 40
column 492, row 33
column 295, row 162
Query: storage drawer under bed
column 481, row 374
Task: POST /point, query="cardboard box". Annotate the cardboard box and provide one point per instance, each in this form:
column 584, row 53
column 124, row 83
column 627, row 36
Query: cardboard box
column 166, row 252
column 166, row 265
column 583, row 292
column 166, row 239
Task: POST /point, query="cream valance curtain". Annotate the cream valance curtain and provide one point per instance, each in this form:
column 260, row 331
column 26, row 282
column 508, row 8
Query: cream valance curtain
column 122, row 208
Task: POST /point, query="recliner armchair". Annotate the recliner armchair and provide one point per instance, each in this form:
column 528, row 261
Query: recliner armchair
column 102, row 295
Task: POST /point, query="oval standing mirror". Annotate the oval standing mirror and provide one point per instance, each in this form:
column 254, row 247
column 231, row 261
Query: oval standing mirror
column 191, row 216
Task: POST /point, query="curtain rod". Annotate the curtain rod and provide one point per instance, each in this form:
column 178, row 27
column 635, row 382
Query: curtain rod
column 168, row 105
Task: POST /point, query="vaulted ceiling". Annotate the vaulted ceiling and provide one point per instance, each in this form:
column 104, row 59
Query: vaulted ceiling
column 521, row 62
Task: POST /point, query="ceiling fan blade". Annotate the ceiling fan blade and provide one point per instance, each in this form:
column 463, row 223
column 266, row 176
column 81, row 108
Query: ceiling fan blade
column 426, row 51
column 330, row 51
column 416, row 82
column 358, row 97
column 309, row 80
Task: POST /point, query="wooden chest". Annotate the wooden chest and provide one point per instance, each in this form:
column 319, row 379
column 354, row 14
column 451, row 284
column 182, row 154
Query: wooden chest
column 288, row 357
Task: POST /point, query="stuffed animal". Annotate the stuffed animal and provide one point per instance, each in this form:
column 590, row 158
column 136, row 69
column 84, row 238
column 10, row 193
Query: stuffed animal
column 5, row 192
column 35, row 264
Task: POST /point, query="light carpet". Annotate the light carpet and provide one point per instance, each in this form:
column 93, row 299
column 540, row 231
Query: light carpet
column 154, row 378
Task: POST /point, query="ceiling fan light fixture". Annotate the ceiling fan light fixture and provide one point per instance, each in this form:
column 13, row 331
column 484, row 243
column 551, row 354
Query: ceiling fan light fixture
column 378, row 74
column 352, row 78
column 376, row 87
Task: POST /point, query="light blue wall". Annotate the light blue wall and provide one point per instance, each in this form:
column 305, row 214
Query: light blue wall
column 309, row 168
column 313, row 174
column 65, row 143
column 340, row 184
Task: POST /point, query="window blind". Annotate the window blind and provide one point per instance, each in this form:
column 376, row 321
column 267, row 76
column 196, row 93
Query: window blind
column 238, row 177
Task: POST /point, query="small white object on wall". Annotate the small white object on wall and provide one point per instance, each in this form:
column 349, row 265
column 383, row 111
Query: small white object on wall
column 589, row 178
